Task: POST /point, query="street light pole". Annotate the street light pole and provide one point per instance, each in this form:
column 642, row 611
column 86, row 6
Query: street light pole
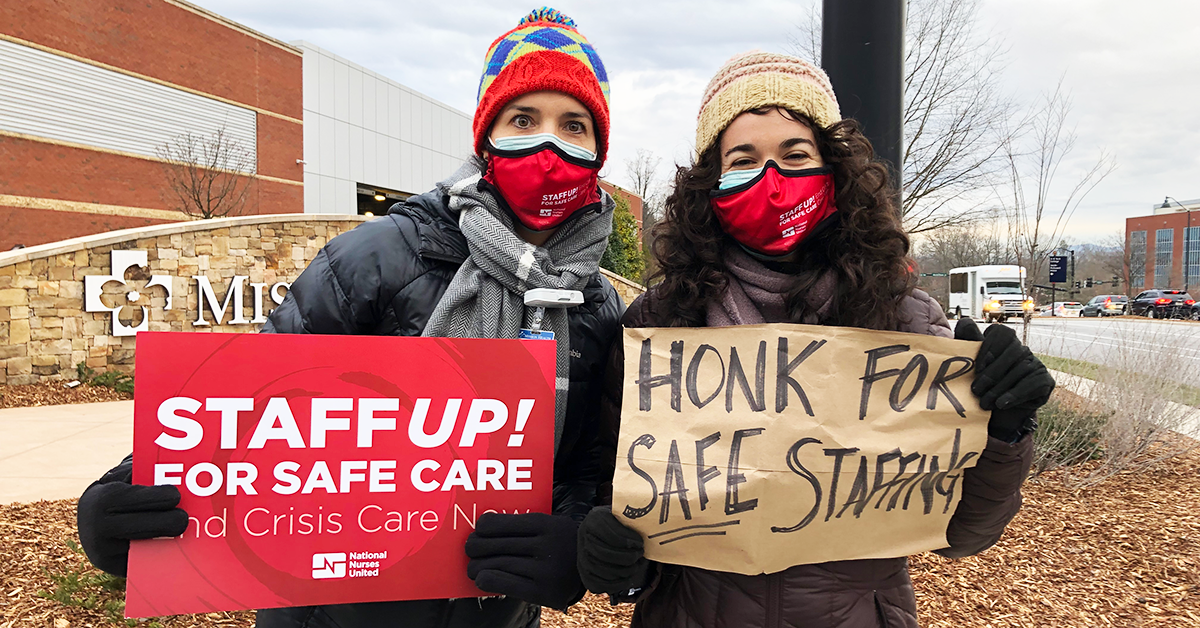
column 1186, row 275
column 862, row 49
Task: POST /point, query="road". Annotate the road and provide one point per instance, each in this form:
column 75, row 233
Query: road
column 1168, row 348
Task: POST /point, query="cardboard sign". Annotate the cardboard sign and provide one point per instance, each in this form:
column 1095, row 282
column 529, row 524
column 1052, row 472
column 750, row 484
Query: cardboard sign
column 755, row 448
column 332, row 469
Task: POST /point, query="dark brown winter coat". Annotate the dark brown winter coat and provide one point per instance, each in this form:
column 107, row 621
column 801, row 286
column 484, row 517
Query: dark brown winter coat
column 845, row 594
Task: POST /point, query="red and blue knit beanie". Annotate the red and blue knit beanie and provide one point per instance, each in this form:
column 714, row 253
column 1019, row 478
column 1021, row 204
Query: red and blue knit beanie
column 544, row 52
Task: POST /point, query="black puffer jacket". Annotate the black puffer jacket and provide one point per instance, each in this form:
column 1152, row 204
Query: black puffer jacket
column 384, row 278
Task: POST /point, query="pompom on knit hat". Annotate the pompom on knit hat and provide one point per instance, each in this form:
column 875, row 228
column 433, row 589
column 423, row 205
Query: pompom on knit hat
column 756, row 79
column 544, row 52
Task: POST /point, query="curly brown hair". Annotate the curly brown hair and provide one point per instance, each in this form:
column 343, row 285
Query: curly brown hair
column 865, row 244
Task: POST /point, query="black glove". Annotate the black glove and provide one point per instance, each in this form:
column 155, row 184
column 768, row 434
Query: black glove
column 530, row 557
column 112, row 512
column 611, row 556
column 1009, row 380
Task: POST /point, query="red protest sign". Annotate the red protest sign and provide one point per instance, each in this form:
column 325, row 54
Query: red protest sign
column 332, row 469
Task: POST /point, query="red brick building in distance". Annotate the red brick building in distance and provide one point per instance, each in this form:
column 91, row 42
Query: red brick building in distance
column 635, row 202
column 90, row 88
column 1158, row 245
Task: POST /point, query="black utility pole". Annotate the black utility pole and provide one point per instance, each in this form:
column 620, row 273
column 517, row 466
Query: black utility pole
column 862, row 49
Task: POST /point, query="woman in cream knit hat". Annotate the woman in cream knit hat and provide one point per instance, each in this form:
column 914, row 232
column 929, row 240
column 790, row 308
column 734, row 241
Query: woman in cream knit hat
column 785, row 216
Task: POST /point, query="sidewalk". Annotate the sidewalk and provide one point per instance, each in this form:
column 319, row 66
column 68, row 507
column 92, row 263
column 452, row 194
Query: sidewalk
column 1083, row 387
column 54, row 452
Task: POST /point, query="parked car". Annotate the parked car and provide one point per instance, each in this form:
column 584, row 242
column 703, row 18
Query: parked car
column 1061, row 308
column 1106, row 305
column 1163, row 304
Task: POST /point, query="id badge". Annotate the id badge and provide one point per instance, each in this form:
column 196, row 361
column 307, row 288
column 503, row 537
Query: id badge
column 529, row 334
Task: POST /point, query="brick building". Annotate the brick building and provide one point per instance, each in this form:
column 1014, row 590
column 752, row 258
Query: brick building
column 1157, row 246
column 90, row 90
column 635, row 202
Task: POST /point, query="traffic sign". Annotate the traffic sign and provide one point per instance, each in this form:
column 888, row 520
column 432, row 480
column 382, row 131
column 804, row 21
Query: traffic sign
column 1058, row 269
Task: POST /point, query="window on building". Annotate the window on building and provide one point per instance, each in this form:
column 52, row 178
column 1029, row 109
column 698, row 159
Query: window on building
column 375, row 201
column 1191, row 249
column 1164, row 240
column 1137, row 259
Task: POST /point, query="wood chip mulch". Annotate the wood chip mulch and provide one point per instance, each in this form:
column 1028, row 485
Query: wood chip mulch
column 1125, row 553
column 56, row 393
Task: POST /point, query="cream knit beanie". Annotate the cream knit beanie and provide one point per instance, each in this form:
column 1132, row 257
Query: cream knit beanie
column 756, row 79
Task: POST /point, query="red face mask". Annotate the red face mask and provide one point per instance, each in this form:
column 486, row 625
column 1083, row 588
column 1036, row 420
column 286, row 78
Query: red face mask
column 543, row 185
column 772, row 213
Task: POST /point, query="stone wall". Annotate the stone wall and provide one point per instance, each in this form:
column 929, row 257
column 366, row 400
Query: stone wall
column 629, row 290
column 82, row 300
column 45, row 329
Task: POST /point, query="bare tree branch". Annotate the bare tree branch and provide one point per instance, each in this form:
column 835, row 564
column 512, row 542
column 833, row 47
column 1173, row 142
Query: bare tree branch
column 1038, row 221
column 805, row 42
column 642, row 170
column 209, row 175
column 953, row 113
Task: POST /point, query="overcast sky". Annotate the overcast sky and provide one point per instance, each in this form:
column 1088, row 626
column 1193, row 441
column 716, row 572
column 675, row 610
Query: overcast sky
column 1132, row 69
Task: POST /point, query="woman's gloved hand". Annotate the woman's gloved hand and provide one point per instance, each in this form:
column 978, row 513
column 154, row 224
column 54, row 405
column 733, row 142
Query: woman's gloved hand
column 1009, row 380
column 113, row 512
column 611, row 556
column 530, row 557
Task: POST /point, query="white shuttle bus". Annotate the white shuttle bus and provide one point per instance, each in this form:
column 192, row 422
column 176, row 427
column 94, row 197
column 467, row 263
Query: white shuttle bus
column 989, row 293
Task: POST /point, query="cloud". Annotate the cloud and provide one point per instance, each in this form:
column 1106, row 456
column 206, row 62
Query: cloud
column 659, row 55
column 1129, row 66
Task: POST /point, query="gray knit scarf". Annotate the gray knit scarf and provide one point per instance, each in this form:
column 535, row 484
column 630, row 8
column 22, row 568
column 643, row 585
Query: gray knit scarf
column 756, row 294
column 486, row 297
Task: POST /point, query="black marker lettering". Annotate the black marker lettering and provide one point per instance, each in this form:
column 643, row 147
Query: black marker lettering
column 956, row 464
column 913, row 483
column 793, row 461
column 917, row 362
column 870, row 376
column 839, row 455
column 693, row 373
column 674, row 475
column 897, row 480
column 646, row 383
column 927, row 485
column 756, row 397
column 647, row 441
column 858, row 492
column 940, row 380
column 783, row 375
column 734, row 477
column 704, row 474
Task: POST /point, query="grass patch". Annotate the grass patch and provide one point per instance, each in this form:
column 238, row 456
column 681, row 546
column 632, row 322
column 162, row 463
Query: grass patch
column 115, row 380
column 90, row 589
column 1068, row 433
column 1179, row 393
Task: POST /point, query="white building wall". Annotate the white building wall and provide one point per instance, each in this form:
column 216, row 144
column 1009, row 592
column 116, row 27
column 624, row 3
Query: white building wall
column 363, row 128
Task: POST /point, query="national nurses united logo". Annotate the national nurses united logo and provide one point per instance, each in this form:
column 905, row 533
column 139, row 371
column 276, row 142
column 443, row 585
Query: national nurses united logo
column 329, row 565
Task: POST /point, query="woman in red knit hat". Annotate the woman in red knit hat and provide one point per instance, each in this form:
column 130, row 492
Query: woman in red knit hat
column 734, row 250
column 523, row 212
